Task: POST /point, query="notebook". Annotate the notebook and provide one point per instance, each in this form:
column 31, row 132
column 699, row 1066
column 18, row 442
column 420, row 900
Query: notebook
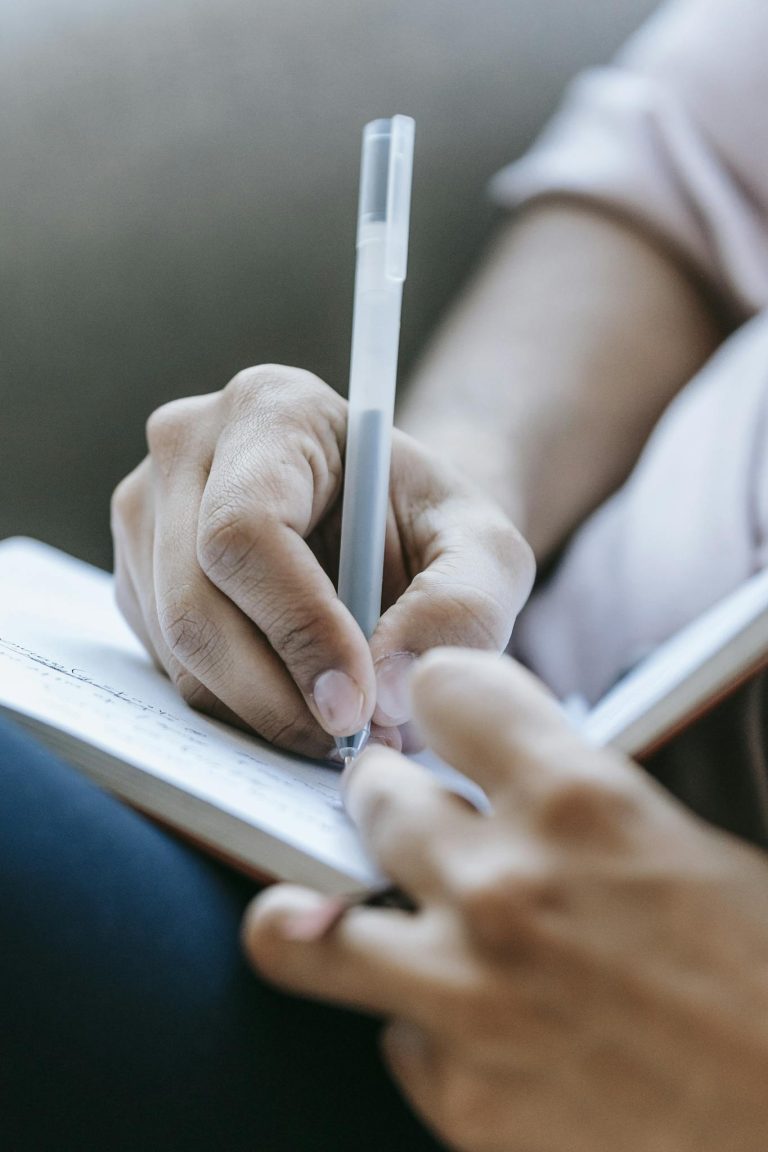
column 73, row 674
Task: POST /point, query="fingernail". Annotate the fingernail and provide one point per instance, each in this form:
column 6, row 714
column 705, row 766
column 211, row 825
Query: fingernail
column 393, row 697
column 385, row 737
column 339, row 703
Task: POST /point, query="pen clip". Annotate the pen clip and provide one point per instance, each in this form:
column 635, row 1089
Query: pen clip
column 399, row 180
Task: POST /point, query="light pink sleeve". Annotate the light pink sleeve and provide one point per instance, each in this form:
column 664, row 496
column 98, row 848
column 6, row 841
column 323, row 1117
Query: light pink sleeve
column 688, row 526
column 675, row 134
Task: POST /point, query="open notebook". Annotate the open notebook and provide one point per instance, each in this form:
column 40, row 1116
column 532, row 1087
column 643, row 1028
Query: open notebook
column 74, row 675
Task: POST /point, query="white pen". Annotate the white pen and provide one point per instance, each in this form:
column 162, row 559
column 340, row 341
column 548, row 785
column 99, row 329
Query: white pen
column 382, row 254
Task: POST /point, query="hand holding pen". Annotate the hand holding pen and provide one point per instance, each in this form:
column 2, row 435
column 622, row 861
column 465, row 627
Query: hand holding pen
column 227, row 539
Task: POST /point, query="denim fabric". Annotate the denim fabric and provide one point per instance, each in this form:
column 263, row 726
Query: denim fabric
column 128, row 1018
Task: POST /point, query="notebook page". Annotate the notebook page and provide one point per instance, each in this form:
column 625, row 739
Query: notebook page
column 68, row 659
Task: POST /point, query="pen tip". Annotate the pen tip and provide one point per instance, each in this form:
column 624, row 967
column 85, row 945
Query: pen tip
column 348, row 761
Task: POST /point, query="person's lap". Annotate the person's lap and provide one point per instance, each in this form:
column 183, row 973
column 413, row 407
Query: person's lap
column 128, row 1018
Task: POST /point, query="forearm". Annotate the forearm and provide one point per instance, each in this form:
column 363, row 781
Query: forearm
column 546, row 379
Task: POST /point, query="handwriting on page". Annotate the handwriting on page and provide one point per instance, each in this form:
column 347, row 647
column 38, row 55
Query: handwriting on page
column 261, row 785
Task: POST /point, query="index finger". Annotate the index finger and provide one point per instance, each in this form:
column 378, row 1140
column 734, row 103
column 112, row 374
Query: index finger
column 409, row 822
column 276, row 472
column 491, row 719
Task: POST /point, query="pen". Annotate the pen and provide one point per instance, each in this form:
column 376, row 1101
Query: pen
column 382, row 253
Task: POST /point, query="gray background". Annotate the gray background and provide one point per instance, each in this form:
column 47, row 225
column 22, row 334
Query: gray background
column 177, row 200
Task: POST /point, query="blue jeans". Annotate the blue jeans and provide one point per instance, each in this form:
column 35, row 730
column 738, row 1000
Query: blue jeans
column 128, row 1018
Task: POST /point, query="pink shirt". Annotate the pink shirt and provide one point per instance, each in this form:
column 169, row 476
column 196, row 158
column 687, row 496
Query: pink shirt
column 674, row 133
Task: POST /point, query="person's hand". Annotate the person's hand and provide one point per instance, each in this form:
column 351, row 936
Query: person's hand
column 226, row 554
column 588, row 966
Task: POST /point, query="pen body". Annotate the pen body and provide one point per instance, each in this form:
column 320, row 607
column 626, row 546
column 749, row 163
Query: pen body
column 382, row 255
column 372, row 381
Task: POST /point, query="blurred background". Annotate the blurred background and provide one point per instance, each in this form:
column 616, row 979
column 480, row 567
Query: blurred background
column 178, row 193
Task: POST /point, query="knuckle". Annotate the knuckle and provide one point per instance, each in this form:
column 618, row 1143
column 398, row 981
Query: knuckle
column 460, row 610
column 507, row 909
column 266, row 381
column 303, row 398
column 487, row 908
column 482, row 896
column 298, row 417
column 487, row 618
column 503, row 541
column 295, row 633
column 251, row 382
column 165, row 426
column 224, row 544
column 586, row 807
column 513, row 556
column 193, row 638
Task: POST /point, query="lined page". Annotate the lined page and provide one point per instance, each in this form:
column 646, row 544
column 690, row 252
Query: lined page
column 67, row 659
